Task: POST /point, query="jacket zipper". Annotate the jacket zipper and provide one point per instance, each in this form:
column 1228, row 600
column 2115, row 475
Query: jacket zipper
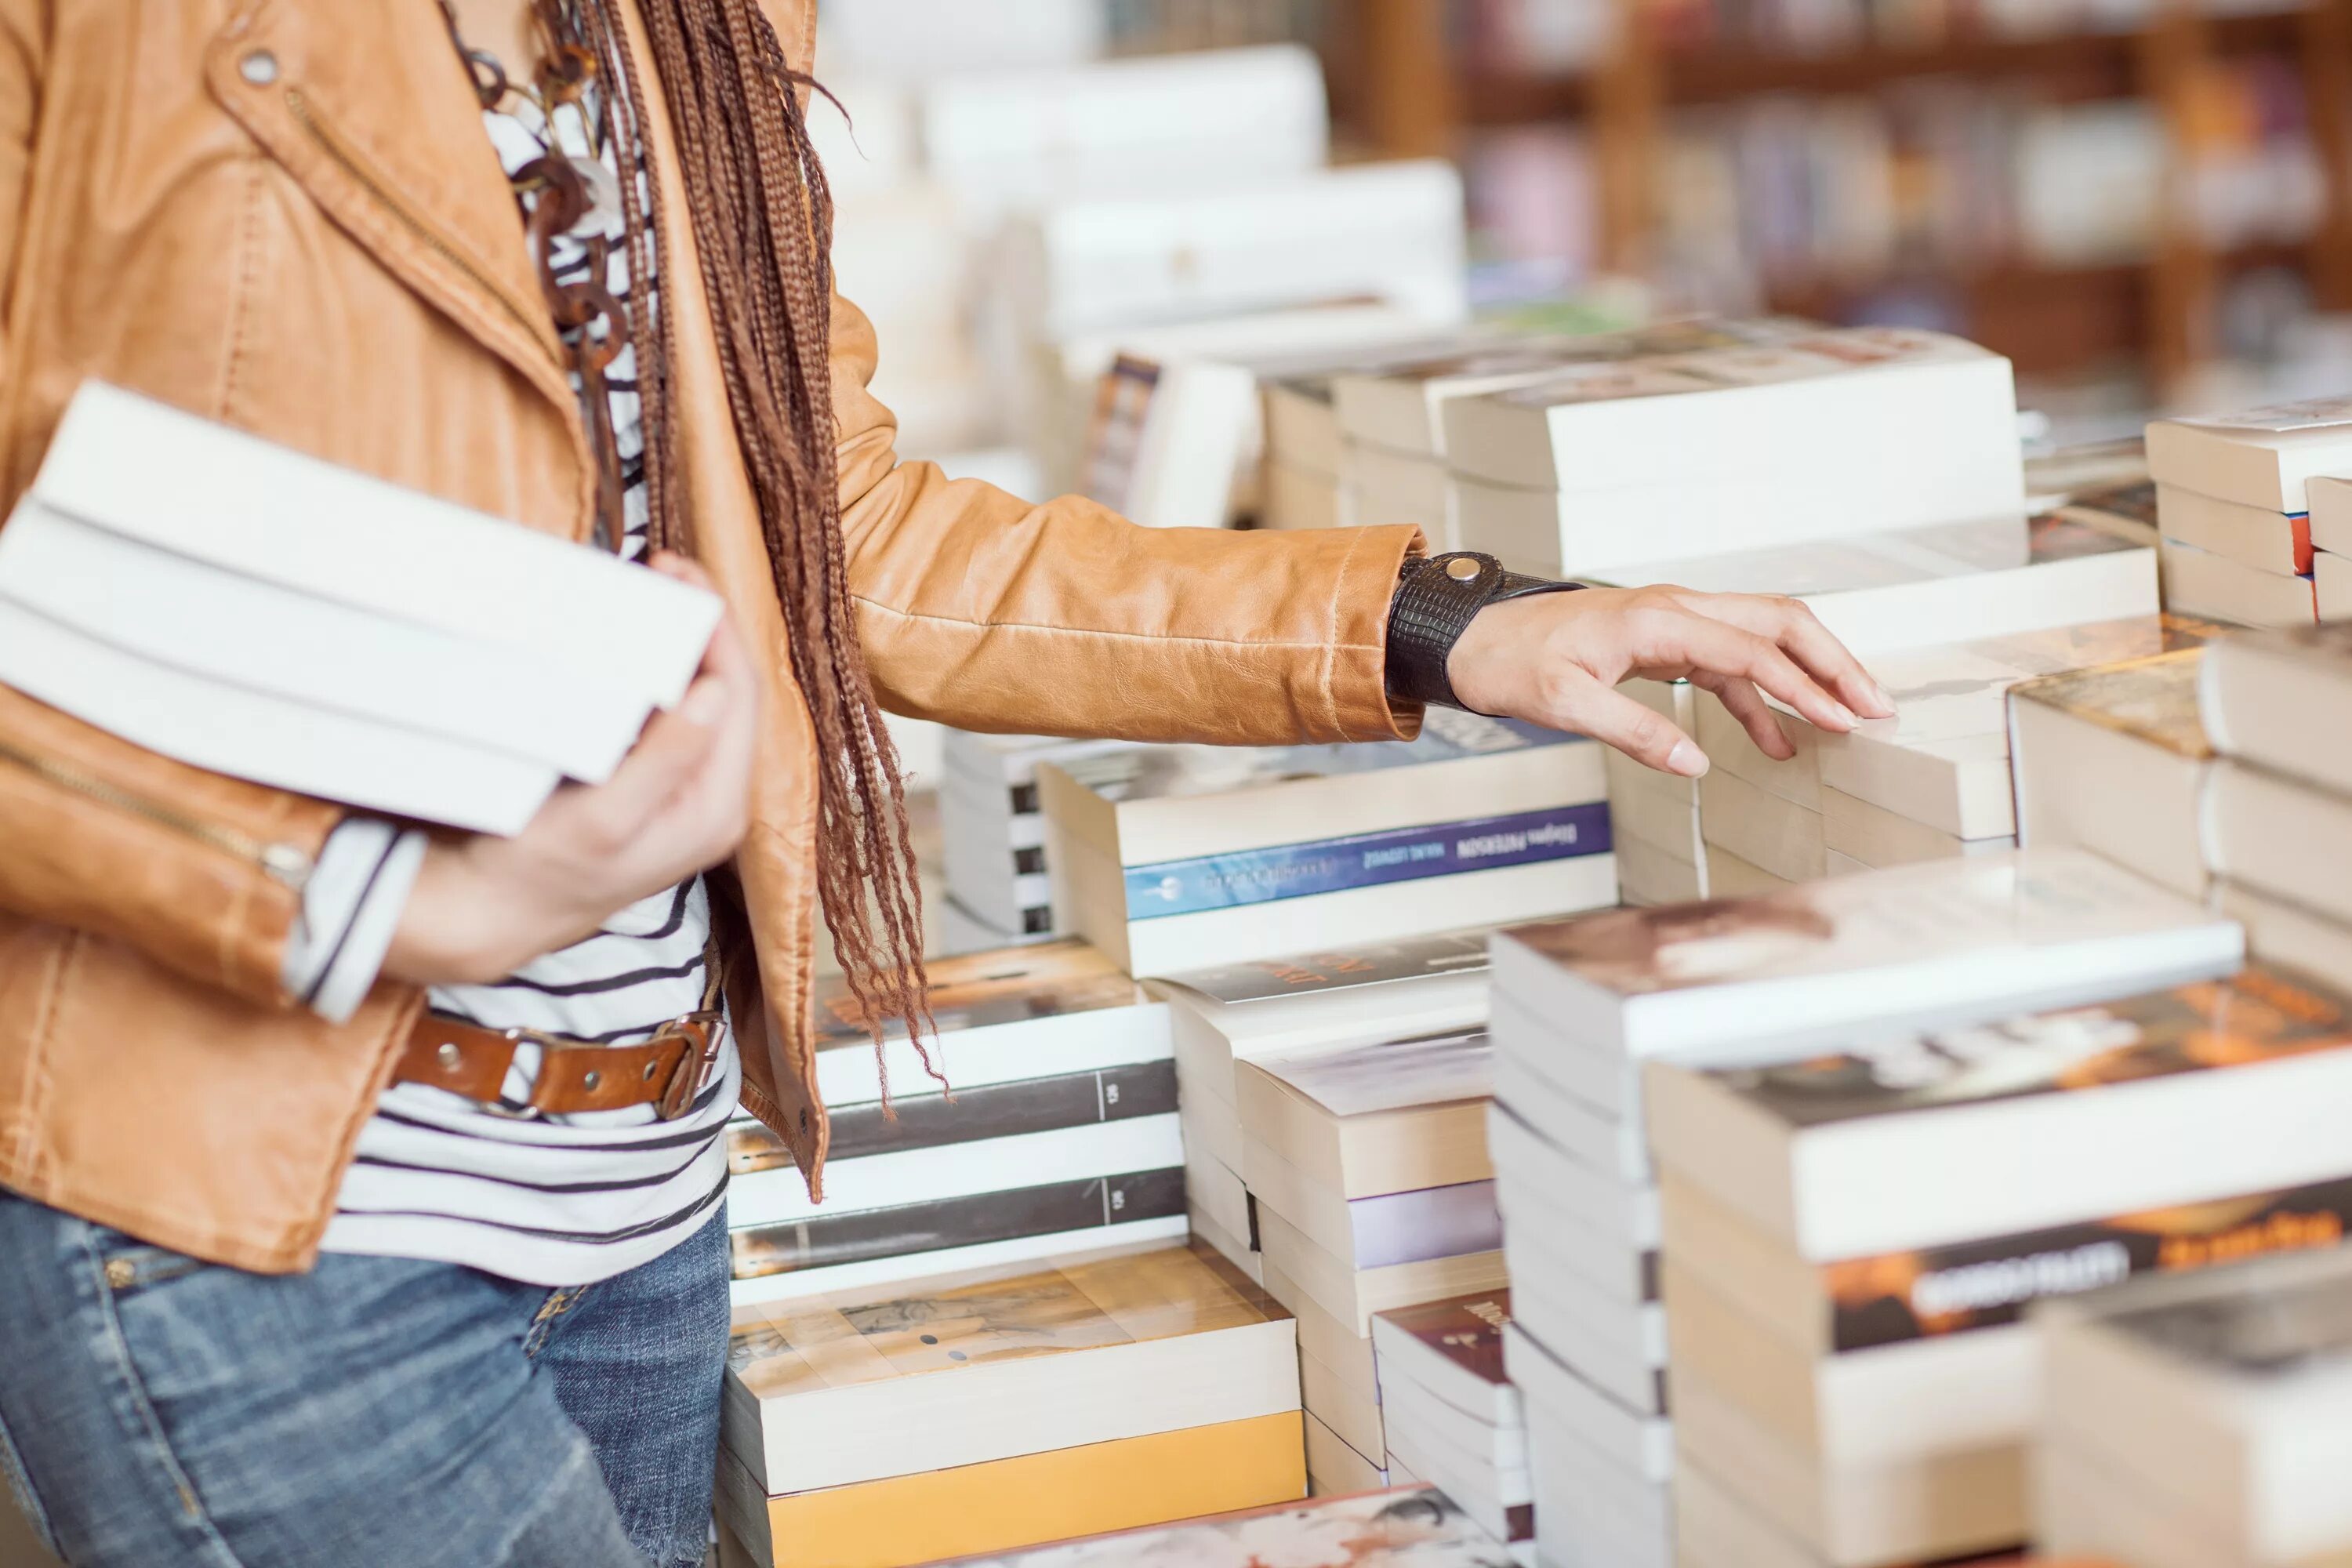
column 286, row 863
column 350, row 164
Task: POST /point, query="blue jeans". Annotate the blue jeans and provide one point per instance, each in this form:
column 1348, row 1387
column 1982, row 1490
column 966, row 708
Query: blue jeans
column 372, row 1412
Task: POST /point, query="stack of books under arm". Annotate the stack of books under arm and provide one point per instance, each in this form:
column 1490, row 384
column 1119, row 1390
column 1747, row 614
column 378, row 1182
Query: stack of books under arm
column 2253, row 532
column 1579, row 1005
column 1851, row 1239
column 2202, row 1422
column 1062, row 1137
column 1176, row 857
column 2277, row 809
column 883, row 1428
column 1369, row 1184
column 994, row 835
column 1294, row 1007
column 1451, row 1416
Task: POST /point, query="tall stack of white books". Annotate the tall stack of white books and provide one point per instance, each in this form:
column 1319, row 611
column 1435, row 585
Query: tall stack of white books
column 1684, row 442
column 1655, row 819
column 994, row 835
column 2236, row 504
column 1851, row 1239
column 2201, row 1421
column 1581, row 1003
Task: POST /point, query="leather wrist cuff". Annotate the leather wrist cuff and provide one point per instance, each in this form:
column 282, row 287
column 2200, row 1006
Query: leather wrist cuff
column 1436, row 599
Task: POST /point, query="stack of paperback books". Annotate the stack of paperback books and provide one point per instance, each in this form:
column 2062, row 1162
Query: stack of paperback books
column 2278, row 808
column 1579, row 1005
column 1932, row 783
column 2235, row 504
column 1368, row 1180
column 942, row 1422
column 1682, row 442
column 1292, row 1006
column 1061, row 1137
column 1307, row 479
column 1654, row 816
column 1850, row 1238
column 2115, row 758
column 1177, row 858
column 1454, row 1419
column 995, row 835
column 2201, row 1421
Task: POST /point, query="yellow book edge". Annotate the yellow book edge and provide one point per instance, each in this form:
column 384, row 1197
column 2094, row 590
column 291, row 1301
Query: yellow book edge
column 1025, row 1501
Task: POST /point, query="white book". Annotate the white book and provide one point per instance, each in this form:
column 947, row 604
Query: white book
column 2331, row 585
column 2280, row 836
column 2274, row 541
column 2223, row 1392
column 1939, row 944
column 1774, row 835
column 2330, row 500
column 2286, row 935
column 1619, row 1347
column 1732, row 750
column 1947, row 583
column 2281, row 700
column 1639, row 1444
column 2199, row 582
column 1871, row 835
column 1389, row 488
column 252, row 507
column 2263, row 458
column 1865, row 404
column 1918, row 1142
column 1648, row 875
column 947, row 1264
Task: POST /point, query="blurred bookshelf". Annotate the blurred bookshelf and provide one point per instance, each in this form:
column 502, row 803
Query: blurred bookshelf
column 2152, row 187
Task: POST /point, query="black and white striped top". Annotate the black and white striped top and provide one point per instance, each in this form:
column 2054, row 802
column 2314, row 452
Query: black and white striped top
column 552, row 1200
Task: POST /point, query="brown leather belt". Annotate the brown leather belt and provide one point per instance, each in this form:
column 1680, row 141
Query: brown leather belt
column 663, row 1072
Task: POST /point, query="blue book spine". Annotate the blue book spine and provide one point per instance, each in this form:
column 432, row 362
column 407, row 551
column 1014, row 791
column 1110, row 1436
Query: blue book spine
column 1365, row 860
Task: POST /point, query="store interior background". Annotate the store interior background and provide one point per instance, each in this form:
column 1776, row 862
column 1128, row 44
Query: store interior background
column 2145, row 203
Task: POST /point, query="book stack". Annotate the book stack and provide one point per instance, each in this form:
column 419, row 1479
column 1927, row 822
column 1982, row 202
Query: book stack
column 2235, row 505
column 156, row 600
column 1580, row 1004
column 1654, row 817
column 1851, row 1239
column 2115, row 758
column 1739, row 437
column 1369, row 1179
column 2278, row 808
column 1291, row 1006
column 1304, row 483
column 1062, row 1136
column 1177, row 858
column 995, row 835
column 2202, row 1422
column 1453, row 1417
column 883, row 1428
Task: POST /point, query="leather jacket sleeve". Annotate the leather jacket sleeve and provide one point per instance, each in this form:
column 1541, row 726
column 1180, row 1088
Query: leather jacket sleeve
column 989, row 612
column 197, row 871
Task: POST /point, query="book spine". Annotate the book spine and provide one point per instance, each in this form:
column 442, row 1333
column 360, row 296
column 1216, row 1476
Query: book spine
column 1049, row 1210
column 1899, row 1297
column 1365, row 860
column 997, row 1110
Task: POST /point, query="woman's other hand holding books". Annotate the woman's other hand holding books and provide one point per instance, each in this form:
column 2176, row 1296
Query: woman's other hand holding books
column 1556, row 659
column 483, row 907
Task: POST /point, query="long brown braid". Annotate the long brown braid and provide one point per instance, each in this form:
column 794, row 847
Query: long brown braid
column 762, row 221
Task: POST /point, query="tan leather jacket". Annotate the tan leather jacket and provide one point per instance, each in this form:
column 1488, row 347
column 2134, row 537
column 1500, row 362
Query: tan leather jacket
column 284, row 214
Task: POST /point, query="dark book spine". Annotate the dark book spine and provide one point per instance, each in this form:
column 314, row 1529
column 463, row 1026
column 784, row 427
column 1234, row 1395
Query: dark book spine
column 994, row 1110
column 866, row 1235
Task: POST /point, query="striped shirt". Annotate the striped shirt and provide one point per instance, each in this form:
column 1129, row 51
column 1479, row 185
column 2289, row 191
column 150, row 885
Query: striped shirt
column 551, row 1200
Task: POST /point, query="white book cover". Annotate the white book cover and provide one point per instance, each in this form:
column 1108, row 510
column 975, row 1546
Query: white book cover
column 1942, row 942
column 2263, row 458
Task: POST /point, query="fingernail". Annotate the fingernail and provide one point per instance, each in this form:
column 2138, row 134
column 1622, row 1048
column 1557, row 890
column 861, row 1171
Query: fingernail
column 704, row 704
column 1686, row 759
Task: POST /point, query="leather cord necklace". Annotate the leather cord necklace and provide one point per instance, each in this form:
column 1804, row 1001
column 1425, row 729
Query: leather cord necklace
column 578, row 197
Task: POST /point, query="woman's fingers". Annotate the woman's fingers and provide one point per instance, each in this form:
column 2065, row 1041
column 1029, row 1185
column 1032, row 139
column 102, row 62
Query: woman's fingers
column 1746, row 704
column 1588, row 708
column 1792, row 625
column 1719, row 648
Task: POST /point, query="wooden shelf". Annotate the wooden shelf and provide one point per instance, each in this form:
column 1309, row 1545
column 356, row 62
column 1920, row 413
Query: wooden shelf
column 1714, row 75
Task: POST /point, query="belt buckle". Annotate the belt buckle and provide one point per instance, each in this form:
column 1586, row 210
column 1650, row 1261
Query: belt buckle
column 701, row 1030
column 527, row 1112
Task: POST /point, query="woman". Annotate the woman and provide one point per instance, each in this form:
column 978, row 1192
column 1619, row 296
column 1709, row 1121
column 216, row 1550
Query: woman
column 363, row 1188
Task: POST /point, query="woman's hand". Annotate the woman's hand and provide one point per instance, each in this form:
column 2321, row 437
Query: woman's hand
column 484, row 906
column 1556, row 659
